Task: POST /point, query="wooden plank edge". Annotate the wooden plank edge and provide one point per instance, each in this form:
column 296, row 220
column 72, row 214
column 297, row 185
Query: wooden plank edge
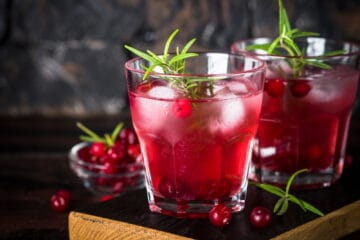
column 86, row 226
column 334, row 225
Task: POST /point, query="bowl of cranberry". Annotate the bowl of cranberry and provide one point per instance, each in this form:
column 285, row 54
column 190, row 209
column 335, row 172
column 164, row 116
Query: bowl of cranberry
column 111, row 164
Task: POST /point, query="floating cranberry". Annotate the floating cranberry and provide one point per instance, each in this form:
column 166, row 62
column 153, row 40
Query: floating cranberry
column 274, row 87
column 220, row 215
column 260, row 217
column 98, row 149
column 300, row 88
column 182, row 108
column 58, row 203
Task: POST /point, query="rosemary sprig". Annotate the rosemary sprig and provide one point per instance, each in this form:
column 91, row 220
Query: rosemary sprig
column 91, row 136
column 282, row 204
column 171, row 65
column 286, row 41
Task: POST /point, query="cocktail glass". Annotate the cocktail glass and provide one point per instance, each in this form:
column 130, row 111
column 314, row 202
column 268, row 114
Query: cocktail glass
column 197, row 147
column 305, row 116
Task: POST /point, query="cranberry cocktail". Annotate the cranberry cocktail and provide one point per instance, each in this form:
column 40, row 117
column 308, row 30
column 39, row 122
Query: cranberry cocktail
column 197, row 146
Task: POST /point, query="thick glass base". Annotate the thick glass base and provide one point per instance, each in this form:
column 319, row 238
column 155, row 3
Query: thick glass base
column 193, row 209
column 307, row 180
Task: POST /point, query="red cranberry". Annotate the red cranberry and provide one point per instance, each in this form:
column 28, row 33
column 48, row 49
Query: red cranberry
column 84, row 154
column 65, row 194
column 98, row 149
column 109, row 168
column 274, row 87
column 58, row 203
column 115, row 155
column 182, row 108
column 106, row 198
column 118, row 186
column 128, row 135
column 133, row 151
column 220, row 215
column 300, row 88
column 260, row 217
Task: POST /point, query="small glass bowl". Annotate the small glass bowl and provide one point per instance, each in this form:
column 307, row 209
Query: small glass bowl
column 129, row 176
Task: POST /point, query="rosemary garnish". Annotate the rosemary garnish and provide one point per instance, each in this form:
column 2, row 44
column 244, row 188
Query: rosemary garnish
column 172, row 64
column 91, row 136
column 286, row 41
column 282, row 204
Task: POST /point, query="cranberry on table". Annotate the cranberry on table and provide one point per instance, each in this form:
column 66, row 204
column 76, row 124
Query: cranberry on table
column 65, row 194
column 260, row 217
column 59, row 203
column 220, row 215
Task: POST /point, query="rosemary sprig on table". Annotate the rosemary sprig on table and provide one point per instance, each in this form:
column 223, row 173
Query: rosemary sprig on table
column 172, row 64
column 282, row 204
column 286, row 41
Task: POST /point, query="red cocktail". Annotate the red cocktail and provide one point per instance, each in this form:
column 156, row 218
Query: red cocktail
column 197, row 148
column 305, row 118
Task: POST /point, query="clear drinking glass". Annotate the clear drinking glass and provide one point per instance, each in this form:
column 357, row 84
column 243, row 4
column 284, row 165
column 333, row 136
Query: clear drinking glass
column 305, row 115
column 197, row 146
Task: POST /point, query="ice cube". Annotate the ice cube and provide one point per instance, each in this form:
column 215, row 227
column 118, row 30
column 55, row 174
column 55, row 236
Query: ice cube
column 162, row 92
column 232, row 115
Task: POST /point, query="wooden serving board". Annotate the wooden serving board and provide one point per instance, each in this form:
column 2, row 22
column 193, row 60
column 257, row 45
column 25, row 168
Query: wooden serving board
column 128, row 217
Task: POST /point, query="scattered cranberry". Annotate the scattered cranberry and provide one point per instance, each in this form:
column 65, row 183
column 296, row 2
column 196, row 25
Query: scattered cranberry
column 182, row 108
column 300, row 88
column 106, row 198
column 220, row 215
column 59, row 203
column 109, row 168
column 274, row 87
column 65, row 194
column 260, row 217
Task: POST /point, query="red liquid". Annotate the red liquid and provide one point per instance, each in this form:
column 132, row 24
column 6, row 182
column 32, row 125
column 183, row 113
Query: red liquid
column 203, row 156
column 306, row 125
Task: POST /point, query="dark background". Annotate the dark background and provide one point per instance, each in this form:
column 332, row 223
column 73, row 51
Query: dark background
column 66, row 57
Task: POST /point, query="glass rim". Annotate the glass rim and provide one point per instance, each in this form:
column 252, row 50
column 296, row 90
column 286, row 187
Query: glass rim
column 259, row 68
column 234, row 48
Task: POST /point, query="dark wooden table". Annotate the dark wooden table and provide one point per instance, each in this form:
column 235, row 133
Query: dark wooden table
column 34, row 165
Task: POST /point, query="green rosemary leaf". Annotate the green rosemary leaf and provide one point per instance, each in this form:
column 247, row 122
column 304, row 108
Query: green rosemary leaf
column 334, row 53
column 168, row 43
column 141, row 54
column 89, row 139
column 108, row 139
column 292, row 177
column 293, row 45
column 311, row 208
column 149, row 70
column 278, row 204
column 89, row 132
column 284, row 24
column 297, row 201
column 284, row 207
column 116, row 131
column 181, row 57
column 261, row 46
column 152, row 54
column 269, row 188
column 305, row 34
column 188, row 45
column 273, row 45
column 317, row 63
